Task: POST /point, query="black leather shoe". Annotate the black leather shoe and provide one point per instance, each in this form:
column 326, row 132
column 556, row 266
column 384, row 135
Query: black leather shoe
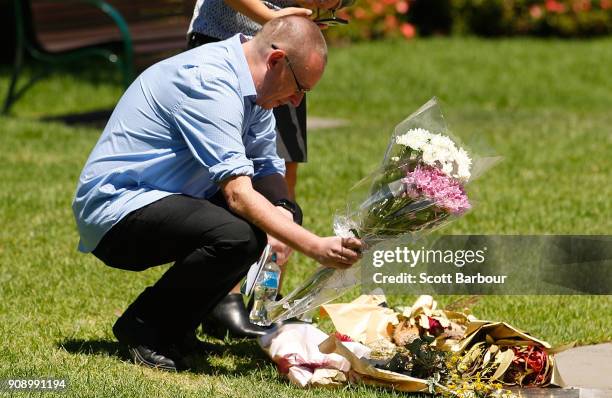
column 145, row 347
column 231, row 318
column 170, row 359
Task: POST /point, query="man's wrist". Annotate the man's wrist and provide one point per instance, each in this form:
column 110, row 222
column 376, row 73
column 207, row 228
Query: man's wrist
column 285, row 212
column 292, row 207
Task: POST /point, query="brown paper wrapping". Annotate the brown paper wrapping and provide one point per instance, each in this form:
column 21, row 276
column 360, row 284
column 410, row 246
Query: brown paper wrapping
column 363, row 320
column 503, row 334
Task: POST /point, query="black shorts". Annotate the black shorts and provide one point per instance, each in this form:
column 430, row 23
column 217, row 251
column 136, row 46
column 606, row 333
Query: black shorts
column 290, row 121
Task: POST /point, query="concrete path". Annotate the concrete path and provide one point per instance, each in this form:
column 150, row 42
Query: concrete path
column 587, row 367
column 317, row 123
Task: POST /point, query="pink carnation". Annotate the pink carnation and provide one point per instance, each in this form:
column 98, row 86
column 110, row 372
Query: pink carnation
column 446, row 192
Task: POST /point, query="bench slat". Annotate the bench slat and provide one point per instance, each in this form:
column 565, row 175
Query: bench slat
column 156, row 25
column 147, row 32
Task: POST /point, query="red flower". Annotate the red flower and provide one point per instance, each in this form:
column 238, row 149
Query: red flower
column 343, row 337
column 401, row 7
column 378, row 8
column 536, row 360
column 581, row 6
column 408, row 30
column 435, row 327
column 555, row 6
column 530, row 361
column 359, row 13
column 536, row 12
column 390, row 22
column 343, row 13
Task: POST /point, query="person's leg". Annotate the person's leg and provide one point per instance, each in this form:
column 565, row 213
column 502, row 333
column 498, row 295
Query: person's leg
column 291, row 143
column 291, row 177
column 292, row 146
column 212, row 249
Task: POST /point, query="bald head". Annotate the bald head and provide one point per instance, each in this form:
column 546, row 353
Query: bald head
column 286, row 58
column 299, row 37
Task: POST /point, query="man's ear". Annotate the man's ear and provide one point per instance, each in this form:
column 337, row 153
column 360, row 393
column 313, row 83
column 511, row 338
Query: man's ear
column 275, row 57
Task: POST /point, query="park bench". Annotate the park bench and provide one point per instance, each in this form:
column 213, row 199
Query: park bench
column 129, row 34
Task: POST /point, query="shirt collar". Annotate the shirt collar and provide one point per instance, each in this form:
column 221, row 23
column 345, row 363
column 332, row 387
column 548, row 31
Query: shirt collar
column 245, row 79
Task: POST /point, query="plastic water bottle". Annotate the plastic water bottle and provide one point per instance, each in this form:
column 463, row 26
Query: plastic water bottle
column 265, row 290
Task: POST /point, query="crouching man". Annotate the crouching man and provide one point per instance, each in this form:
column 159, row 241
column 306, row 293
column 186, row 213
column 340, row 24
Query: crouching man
column 186, row 171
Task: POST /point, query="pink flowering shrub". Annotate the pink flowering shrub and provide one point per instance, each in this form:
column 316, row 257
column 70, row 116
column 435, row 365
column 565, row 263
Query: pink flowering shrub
column 407, row 19
column 565, row 18
column 374, row 19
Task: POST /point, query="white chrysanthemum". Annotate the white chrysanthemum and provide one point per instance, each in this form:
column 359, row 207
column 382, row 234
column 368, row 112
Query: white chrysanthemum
column 402, row 139
column 437, row 151
column 448, row 168
column 462, row 158
column 443, row 154
column 463, row 173
column 414, row 138
column 430, row 156
column 417, row 138
column 463, row 164
column 442, row 141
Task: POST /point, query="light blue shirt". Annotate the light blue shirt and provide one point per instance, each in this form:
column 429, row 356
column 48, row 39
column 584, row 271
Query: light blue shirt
column 184, row 125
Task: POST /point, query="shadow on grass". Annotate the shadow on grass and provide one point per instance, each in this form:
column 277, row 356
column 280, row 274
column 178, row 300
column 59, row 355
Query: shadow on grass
column 95, row 347
column 94, row 71
column 234, row 358
column 95, row 119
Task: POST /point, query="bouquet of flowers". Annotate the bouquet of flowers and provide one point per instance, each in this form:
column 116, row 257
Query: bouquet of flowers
column 420, row 186
column 501, row 353
column 419, row 189
column 440, row 350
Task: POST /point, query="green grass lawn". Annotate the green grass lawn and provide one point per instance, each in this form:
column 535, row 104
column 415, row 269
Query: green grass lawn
column 543, row 105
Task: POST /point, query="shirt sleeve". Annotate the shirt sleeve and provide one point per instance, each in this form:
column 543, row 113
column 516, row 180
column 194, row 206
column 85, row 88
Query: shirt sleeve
column 262, row 149
column 210, row 119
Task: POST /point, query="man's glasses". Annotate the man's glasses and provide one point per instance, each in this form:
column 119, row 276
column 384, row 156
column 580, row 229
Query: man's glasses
column 300, row 88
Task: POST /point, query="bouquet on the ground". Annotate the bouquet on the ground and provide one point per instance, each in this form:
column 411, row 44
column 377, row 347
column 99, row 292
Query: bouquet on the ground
column 424, row 348
column 420, row 186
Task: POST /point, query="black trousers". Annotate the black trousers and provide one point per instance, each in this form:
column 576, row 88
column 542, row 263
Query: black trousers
column 211, row 248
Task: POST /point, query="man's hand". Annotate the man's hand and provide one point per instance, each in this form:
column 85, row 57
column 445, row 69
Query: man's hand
column 283, row 252
column 336, row 252
column 300, row 12
column 260, row 13
column 243, row 200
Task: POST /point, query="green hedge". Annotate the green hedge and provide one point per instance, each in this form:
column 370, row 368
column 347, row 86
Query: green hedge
column 370, row 19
